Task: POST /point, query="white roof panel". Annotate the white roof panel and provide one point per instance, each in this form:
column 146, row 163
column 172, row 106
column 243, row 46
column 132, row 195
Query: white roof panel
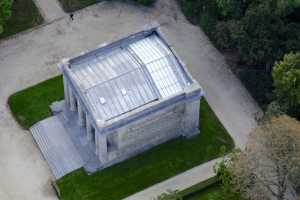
column 128, row 76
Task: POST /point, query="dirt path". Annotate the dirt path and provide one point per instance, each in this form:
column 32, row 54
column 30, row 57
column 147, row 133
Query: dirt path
column 32, row 57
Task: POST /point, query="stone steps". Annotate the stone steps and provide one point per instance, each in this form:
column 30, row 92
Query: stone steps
column 56, row 147
column 48, row 155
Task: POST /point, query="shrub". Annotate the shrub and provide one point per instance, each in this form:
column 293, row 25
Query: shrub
column 226, row 178
column 170, row 195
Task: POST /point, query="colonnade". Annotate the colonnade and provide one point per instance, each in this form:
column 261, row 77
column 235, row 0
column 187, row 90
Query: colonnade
column 84, row 120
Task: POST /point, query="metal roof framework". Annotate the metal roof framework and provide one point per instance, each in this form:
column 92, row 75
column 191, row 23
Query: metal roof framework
column 128, row 76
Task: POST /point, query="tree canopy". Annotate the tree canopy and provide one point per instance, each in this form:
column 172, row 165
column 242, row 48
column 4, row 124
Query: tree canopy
column 286, row 75
column 5, row 12
column 269, row 166
column 253, row 34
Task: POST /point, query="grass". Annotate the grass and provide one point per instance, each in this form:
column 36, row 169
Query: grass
column 24, row 16
column 206, row 190
column 135, row 174
column 31, row 105
column 210, row 193
column 148, row 168
column 199, row 187
column 73, row 5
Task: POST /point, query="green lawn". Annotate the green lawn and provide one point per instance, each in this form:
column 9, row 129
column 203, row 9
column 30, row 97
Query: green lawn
column 153, row 166
column 31, row 105
column 135, row 174
column 73, row 5
column 24, row 15
column 210, row 193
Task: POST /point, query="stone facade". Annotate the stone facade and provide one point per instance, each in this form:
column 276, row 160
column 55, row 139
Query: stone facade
column 139, row 129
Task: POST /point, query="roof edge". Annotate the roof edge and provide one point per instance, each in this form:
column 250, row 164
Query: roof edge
column 102, row 48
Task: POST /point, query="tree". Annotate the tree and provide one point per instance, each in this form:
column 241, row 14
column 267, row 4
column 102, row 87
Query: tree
column 259, row 34
column 232, row 8
column 228, row 189
column 286, row 7
column 5, row 12
column 269, row 166
column 286, row 75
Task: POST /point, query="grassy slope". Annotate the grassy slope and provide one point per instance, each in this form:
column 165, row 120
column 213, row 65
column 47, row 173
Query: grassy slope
column 31, row 105
column 24, row 15
column 153, row 166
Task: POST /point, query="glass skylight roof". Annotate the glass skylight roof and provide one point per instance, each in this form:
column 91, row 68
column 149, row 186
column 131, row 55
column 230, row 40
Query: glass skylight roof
column 129, row 76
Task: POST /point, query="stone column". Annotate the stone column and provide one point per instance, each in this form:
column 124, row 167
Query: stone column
column 101, row 147
column 66, row 91
column 72, row 100
column 80, row 114
column 89, row 132
column 190, row 121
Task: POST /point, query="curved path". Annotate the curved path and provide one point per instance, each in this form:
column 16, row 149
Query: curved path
column 32, row 56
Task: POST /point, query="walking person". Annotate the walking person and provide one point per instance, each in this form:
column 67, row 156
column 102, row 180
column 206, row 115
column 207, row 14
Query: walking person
column 72, row 16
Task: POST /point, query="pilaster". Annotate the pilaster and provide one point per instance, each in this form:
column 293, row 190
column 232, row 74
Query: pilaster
column 101, row 143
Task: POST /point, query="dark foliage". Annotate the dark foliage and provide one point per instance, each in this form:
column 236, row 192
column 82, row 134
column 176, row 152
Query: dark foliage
column 24, row 15
column 201, row 12
column 261, row 32
column 73, row 5
column 259, row 83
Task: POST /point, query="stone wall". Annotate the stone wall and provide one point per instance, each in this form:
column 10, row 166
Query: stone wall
column 179, row 119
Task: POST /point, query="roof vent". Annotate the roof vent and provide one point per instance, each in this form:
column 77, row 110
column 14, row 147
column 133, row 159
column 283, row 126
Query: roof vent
column 124, row 91
column 102, row 100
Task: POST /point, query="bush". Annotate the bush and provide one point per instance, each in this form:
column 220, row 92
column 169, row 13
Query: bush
column 228, row 187
column 170, row 195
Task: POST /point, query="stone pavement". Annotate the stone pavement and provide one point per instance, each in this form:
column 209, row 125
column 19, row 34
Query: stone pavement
column 31, row 57
column 50, row 9
column 56, row 145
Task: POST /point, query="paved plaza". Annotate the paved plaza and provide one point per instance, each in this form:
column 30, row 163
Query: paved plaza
column 31, row 57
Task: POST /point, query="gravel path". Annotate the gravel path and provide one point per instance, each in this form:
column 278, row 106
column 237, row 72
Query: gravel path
column 50, row 9
column 31, row 57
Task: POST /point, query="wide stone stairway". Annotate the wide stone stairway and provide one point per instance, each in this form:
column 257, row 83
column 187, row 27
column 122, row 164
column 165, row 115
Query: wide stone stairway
column 56, row 146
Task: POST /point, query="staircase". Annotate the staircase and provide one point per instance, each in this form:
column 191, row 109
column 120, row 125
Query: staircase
column 56, row 146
